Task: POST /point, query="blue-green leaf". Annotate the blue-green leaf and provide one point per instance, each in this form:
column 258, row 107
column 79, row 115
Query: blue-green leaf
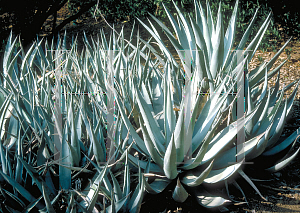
column 49, row 206
column 170, row 160
column 219, row 175
column 21, row 190
column 179, row 193
column 195, row 178
column 150, row 146
column 208, row 200
column 284, row 162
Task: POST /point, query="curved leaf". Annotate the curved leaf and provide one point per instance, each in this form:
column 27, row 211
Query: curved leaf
column 130, row 128
column 170, row 160
column 150, row 147
column 232, row 155
column 94, row 190
column 151, row 124
column 49, row 206
column 283, row 163
column 222, row 139
column 137, row 197
column 157, row 186
column 283, row 145
column 21, row 190
column 208, row 200
column 191, row 180
column 179, row 193
column 117, row 205
column 219, row 175
column 251, row 183
column 230, row 34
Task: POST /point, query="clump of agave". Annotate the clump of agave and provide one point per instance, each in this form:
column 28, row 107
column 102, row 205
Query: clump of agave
column 53, row 133
column 63, row 142
column 206, row 54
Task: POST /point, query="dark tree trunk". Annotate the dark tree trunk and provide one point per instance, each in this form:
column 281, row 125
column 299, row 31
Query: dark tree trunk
column 73, row 17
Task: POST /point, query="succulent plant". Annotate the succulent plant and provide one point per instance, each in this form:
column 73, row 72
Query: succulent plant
column 66, row 146
column 73, row 171
column 171, row 138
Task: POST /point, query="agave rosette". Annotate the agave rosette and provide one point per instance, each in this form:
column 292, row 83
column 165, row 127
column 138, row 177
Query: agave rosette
column 213, row 55
column 207, row 52
column 182, row 143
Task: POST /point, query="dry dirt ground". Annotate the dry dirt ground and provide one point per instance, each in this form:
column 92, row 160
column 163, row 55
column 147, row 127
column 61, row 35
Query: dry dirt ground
column 282, row 189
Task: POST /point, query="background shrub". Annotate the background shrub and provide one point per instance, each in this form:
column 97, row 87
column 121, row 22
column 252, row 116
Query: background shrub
column 28, row 17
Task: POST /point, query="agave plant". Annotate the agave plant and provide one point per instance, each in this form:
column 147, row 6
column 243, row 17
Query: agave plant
column 74, row 171
column 212, row 54
column 190, row 145
column 185, row 146
column 167, row 124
